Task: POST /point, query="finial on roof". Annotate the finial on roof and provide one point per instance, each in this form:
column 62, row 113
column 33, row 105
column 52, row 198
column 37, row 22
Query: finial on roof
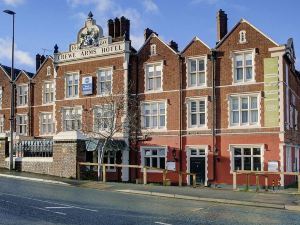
column 55, row 48
column 90, row 15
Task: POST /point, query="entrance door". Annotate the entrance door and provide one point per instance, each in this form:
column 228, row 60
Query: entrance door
column 197, row 165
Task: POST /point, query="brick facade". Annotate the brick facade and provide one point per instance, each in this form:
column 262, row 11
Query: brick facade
column 218, row 137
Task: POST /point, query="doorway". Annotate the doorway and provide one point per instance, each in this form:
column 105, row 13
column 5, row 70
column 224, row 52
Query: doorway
column 197, row 163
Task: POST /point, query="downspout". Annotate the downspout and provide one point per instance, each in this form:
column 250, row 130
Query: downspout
column 138, row 122
column 180, row 112
column 214, row 148
column 30, row 108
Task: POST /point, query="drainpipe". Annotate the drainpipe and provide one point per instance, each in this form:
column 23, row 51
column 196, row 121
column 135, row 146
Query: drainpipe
column 30, row 108
column 180, row 112
column 214, row 148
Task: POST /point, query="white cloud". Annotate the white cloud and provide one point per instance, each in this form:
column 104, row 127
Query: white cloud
column 12, row 2
column 21, row 57
column 210, row 2
column 137, row 41
column 150, row 6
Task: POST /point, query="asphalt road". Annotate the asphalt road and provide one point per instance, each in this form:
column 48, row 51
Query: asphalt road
column 24, row 202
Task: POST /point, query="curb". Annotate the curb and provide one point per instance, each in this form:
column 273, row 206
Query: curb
column 220, row 201
column 34, row 179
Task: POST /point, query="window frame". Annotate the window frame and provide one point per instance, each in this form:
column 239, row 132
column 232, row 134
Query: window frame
column 151, row 148
column 21, row 95
column 153, row 50
column 112, row 117
column 240, row 124
column 242, row 156
column 48, row 72
column 47, row 123
column 105, row 69
column 24, row 125
column 146, row 81
column 2, row 121
column 106, row 157
column 158, row 115
column 189, row 113
column 235, row 81
column 64, row 121
column 197, row 72
column 73, row 85
column 50, row 93
column 1, row 96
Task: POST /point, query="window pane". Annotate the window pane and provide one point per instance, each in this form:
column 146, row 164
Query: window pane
column 237, row 151
column 247, row 151
column 201, row 65
column 193, row 151
column 158, row 83
column 237, row 163
column 193, row 106
column 247, row 163
column 256, row 151
column 256, row 163
column 147, row 161
column 239, row 60
column 162, row 108
column 154, row 162
column 244, row 103
column 201, row 106
column 193, row 81
column 254, row 116
column 193, row 65
column 194, row 119
column 162, row 162
column 249, row 73
column 235, row 103
column 201, row 79
column 248, row 58
column 253, row 102
column 235, row 117
column 202, row 119
column 239, row 74
column 245, row 117
column 162, row 121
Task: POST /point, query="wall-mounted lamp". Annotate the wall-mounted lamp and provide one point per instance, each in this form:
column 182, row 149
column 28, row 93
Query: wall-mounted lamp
column 174, row 154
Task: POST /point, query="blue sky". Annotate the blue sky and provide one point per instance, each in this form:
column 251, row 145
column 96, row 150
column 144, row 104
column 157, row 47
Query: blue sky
column 40, row 24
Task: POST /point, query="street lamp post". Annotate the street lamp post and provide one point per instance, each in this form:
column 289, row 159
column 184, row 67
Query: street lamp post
column 12, row 104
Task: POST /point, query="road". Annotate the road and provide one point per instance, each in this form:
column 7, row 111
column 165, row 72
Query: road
column 27, row 202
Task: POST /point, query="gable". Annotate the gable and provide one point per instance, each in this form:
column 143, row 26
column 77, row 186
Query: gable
column 43, row 68
column 195, row 47
column 253, row 34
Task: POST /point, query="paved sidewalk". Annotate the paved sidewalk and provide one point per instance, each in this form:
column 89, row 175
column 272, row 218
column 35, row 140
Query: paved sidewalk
column 270, row 199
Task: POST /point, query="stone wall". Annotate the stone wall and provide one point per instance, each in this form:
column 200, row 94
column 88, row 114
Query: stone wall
column 66, row 154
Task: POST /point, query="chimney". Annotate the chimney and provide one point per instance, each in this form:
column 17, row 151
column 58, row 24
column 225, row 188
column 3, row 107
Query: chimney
column 125, row 28
column 42, row 59
column 117, row 27
column 173, row 45
column 148, row 32
column 37, row 61
column 110, row 24
column 221, row 24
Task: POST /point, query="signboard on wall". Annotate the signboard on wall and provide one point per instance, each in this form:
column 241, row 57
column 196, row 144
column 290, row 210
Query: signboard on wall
column 87, row 85
column 271, row 92
column 273, row 166
column 171, row 166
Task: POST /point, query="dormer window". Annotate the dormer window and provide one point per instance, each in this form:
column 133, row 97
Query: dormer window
column 242, row 37
column 153, row 49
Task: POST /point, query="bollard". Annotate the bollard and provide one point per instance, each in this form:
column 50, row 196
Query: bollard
column 278, row 184
column 145, row 175
column 234, row 181
column 164, row 177
column 257, row 183
column 78, row 171
column 104, row 173
column 273, row 185
column 180, row 179
column 266, row 183
column 194, row 180
column 247, row 185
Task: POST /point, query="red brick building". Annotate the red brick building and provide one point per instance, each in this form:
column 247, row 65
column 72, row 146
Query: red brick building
column 205, row 110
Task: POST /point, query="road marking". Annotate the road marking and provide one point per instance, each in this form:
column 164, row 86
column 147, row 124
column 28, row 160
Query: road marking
column 59, row 207
column 54, row 203
column 162, row 223
column 61, row 213
column 197, row 209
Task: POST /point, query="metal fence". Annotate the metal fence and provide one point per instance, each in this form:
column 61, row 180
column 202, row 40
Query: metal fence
column 34, row 148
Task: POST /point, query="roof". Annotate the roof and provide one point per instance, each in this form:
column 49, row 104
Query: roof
column 154, row 35
column 7, row 70
column 192, row 41
column 255, row 28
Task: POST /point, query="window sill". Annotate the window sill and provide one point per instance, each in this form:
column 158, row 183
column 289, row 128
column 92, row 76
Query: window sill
column 244, row 126
column 48, row 104
column 197, row 128
column 153, row 91
column 154, row 130
column 196, row 87
column 244, row 83
column 22, row 106
column 71, row 98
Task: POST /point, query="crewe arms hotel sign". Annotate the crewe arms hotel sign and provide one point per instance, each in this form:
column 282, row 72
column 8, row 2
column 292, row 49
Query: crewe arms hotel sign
column 90, row 43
